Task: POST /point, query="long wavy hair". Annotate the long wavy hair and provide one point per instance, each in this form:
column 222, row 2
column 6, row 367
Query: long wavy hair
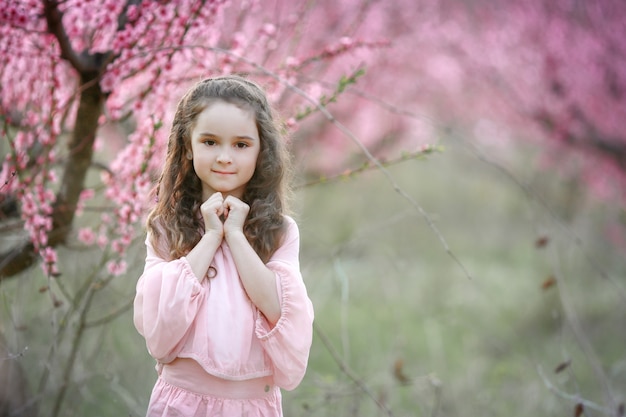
column 174, row 223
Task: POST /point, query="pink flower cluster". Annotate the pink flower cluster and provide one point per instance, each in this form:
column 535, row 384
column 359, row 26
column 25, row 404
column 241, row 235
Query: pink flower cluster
column 128, row 188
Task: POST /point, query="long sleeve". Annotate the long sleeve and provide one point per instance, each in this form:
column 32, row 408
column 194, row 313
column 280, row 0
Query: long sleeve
column 288, row 343
column 166, row 303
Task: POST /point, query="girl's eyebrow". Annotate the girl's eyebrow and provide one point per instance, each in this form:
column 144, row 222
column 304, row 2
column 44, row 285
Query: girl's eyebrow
column 204, row 134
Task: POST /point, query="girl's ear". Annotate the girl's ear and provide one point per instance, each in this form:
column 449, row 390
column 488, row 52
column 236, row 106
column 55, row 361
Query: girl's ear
column 188, row 153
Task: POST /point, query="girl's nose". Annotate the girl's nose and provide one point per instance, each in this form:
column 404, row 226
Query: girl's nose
column 224, row 156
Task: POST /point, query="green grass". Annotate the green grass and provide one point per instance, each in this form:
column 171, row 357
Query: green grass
column 385, row 290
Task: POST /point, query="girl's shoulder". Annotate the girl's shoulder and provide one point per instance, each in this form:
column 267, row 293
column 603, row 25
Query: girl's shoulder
column 288, row 219
column 289, row 229
column 289, row 224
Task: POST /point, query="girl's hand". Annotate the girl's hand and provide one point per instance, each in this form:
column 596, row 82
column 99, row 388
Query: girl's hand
column 237, row 212
column 211, row 211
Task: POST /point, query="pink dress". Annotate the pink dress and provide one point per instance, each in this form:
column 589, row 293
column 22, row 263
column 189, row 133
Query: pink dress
column 216, row 353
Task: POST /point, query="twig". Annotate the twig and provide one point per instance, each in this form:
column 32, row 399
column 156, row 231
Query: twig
column 573, row 236
column 111, row 316
column 343, row 366
column 369, row 167
column 572, row 397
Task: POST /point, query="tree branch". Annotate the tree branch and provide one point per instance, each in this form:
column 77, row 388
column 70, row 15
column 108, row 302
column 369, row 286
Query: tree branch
column 54, row 19
column 349, row 372
column 577, row 399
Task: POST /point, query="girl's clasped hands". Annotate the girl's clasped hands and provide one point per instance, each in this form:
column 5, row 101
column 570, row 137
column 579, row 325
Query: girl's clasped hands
column 224, row 216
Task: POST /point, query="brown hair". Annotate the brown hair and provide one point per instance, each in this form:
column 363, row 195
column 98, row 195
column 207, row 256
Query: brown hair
column 174, row 223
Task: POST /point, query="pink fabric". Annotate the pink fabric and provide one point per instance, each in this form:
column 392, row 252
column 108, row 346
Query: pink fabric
column 213, row 322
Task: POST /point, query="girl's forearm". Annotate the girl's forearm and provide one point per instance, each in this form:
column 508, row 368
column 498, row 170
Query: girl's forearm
column 258, row 280
column 201, row 256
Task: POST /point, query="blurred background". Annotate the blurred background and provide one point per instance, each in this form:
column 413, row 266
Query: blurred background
column 460, row 177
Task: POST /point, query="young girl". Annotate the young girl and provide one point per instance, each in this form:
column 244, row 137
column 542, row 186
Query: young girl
column 221, row 302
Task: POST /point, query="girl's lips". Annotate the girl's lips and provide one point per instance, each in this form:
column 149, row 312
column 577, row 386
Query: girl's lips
column 223, row 172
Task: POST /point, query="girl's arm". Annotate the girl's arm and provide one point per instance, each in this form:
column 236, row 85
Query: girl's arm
column 201, row 255
column 257, row 279
column 288, row 342
column 167, row 300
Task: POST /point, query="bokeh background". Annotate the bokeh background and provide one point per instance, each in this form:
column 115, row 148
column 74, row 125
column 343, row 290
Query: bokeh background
column 459, row 189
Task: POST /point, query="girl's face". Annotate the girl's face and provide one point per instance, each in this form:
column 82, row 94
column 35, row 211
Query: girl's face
column 225, row 145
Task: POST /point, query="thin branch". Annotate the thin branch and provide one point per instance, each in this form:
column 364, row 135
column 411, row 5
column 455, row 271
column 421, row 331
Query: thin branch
column 583, row 341
column 111, row 316
column 572, row 397
column 368, row 167
column 69, row 366
column 529, row 193
column 349, row 372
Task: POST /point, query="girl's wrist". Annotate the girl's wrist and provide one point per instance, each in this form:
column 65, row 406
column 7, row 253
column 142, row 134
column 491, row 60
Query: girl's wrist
column 230, row 235
column 213, row 235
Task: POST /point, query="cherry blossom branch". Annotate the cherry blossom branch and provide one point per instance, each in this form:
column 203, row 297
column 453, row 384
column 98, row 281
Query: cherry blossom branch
column 54, row 19
column 367, row 166
column 344, row 82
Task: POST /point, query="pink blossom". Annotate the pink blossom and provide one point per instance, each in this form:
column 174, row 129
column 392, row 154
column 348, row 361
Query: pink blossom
column 87, row 236
column 102, row 240
column 268, row 29
column 346, row 41
column 292, row 123
column 292, row 62
column 49, row 255
column 117, row 268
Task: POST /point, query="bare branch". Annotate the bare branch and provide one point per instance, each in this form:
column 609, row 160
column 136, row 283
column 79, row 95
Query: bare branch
column 113, row 315
column 349, row 372
column 577, row 399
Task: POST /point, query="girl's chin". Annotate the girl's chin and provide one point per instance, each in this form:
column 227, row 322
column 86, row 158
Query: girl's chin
column 225, row 193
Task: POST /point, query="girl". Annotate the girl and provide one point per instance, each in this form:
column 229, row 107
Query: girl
column 221, row 302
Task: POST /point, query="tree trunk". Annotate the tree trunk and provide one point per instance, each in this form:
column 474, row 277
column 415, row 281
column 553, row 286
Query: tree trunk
column 75, row 169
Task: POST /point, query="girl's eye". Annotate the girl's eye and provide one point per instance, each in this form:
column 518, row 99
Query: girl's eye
column 209, row 142
column 241, row 145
